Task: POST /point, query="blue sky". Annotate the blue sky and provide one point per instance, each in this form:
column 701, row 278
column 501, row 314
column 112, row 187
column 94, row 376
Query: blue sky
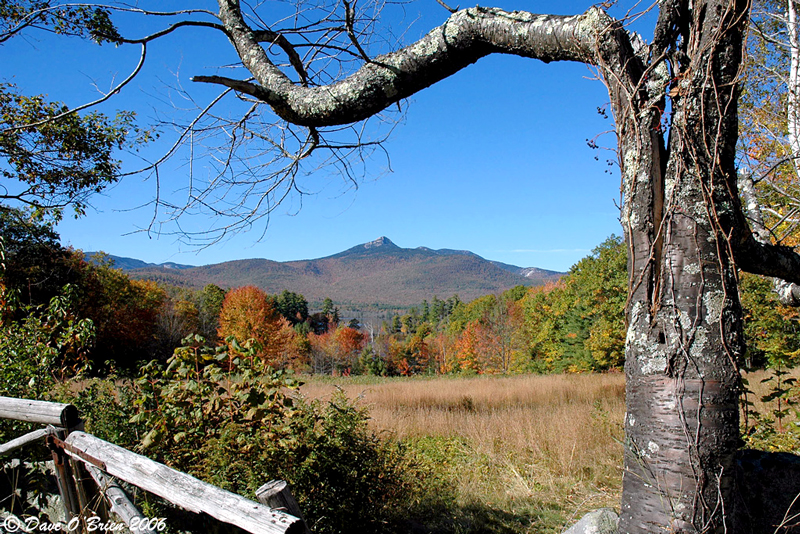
column 492, row 160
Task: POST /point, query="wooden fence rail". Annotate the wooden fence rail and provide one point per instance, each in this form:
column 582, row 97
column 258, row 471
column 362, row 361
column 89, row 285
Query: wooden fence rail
column 18, row 443
column 46, row 413
column 94, row 458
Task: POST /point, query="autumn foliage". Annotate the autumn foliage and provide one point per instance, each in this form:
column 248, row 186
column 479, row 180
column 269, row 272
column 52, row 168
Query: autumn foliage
column 573, row 325
column 336, row 351
column 247, row 313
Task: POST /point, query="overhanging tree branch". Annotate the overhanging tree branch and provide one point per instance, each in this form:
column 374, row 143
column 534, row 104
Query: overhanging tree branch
column 768, row 260
column 788, row 293
column 464, row 38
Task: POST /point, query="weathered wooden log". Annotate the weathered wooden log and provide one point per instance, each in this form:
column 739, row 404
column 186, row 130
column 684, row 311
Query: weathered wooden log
column 63, row 473
column 182, row 489
column 21, row 441
column 277, row 495
column 33, row 411
column 120, row 504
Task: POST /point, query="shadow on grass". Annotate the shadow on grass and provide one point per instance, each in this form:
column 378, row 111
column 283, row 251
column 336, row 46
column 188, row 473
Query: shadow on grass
column 480, row 519
column 443, row 502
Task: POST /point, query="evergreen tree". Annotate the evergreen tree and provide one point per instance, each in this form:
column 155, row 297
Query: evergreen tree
column 327, row 306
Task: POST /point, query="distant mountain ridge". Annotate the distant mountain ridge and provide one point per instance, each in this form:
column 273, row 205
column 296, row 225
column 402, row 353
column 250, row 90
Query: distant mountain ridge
column 129, row 264
column 377, row 273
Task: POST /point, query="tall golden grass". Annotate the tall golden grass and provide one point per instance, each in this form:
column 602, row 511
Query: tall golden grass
column 542, row 449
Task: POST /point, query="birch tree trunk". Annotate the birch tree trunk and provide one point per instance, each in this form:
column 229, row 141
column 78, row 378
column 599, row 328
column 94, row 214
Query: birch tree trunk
column 793, row 85
column 684, row 334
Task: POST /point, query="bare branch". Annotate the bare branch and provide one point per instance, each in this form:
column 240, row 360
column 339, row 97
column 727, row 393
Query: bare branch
column 351, row 33
column 288, row 48
column 171, row 28
column 241, row 86
column 82, row 107
column 186, row 131
column 448, row 8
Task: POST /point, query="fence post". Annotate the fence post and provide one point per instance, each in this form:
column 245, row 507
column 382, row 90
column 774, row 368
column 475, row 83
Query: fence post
column 277, row 495
column 64, row 478
column 89, row 495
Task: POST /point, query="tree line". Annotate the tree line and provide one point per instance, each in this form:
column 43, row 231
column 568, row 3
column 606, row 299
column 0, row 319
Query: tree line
column 574, row 325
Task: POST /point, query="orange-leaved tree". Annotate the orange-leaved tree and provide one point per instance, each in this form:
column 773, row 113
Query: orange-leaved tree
column 248, row 313
column 467, row 349
column 336, row 350
column 442, row 350
column 349, row 342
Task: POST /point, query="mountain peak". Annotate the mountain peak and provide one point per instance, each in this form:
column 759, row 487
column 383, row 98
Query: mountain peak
column 382, row 241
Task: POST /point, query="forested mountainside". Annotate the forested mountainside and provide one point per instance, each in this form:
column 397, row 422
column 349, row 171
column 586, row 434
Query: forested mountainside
column 375, row 273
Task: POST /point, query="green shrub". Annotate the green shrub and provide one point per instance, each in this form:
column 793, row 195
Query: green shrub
column 224, row 416
column 774, row 427
column 44, row 346
column 106, row 405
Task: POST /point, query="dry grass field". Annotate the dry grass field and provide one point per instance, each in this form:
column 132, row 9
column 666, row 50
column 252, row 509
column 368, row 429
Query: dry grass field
column 518, row 454
column 523, row 454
